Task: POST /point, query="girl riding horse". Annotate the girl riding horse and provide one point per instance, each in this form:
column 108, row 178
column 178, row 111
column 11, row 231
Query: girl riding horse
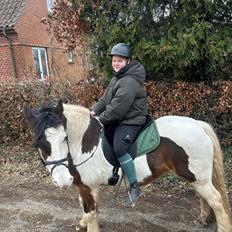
column 122, row 110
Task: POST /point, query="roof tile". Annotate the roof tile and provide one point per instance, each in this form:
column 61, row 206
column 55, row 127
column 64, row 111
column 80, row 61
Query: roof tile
column 10, row 11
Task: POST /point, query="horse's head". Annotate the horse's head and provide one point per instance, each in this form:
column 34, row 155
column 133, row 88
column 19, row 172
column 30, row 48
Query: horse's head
column 49, row 128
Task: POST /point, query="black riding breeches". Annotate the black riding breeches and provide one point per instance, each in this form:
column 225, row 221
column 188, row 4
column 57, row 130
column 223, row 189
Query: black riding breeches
column 121, row 137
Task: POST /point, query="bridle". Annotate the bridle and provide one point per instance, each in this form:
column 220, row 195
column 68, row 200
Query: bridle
column 59, row 162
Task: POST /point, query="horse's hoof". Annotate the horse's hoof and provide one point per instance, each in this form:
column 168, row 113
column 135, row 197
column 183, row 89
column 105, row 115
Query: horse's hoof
column 208, row 220
column 82, row 224
column 79, row 228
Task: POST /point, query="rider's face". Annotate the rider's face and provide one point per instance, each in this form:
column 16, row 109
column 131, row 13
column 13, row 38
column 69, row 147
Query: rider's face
column 118, row 62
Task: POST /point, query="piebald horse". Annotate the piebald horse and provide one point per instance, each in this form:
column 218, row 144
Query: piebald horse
column 70, row 148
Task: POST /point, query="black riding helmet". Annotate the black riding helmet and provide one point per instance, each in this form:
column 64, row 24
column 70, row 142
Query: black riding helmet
column 121, row 49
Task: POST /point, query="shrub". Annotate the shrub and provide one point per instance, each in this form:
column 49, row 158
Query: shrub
column 210, row 103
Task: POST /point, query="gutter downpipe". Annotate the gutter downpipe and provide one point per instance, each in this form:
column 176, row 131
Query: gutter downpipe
column 12, row 58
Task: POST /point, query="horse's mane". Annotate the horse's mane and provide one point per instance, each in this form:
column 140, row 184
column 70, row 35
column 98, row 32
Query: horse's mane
column 45, row 117
column 76, row 109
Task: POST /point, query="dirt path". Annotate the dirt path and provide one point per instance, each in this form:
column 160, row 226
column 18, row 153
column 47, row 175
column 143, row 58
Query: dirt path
column 29, row 202
column 33, row 205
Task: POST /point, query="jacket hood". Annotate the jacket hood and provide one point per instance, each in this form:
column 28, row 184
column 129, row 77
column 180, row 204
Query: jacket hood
column 134, row 70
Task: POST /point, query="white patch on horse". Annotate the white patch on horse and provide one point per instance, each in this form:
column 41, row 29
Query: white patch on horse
column 95, row 175
column 59, row 150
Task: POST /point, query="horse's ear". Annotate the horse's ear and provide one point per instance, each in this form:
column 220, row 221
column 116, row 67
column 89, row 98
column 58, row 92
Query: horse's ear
column 59, row 108
column 28, row 114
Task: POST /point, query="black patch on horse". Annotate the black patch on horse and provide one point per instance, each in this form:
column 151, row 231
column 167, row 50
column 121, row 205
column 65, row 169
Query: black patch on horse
column 91, row 136
column 169, row 156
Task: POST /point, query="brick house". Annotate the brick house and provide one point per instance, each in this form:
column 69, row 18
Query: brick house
column 26, row 49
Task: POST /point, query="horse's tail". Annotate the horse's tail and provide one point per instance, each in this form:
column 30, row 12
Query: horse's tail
column 218, row 170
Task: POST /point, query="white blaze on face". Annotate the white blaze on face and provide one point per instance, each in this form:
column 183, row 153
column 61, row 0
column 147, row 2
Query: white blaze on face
column 59, row 150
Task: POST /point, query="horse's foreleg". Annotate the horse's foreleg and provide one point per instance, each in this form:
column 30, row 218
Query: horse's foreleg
column 89, row 221
column 93, row 224
column 88, row 201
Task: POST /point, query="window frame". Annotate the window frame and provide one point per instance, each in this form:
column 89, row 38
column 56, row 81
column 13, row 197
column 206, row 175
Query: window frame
column 70, row 57
column 41, row 72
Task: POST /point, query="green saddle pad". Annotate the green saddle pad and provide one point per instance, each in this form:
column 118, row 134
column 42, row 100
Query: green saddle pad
column 148, row 139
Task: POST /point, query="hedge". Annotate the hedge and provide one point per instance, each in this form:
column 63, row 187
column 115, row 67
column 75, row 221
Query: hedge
column 198, row 100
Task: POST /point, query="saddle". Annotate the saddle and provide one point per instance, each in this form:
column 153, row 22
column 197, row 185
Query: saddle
column 147, row 140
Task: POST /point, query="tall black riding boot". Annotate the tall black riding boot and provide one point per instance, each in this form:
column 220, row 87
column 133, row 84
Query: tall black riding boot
column 113, row 180
column 134, row 195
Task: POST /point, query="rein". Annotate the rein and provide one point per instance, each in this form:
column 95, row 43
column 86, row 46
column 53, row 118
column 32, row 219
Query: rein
column 59, row 162
column 70, row 162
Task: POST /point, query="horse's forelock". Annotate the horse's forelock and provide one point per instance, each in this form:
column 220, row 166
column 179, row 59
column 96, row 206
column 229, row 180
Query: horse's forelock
column 44, row 118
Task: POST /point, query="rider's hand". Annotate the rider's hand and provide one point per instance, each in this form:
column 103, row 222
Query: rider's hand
column 92, row 113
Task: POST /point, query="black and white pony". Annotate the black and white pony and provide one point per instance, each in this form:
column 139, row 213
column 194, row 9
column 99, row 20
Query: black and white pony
column 70, row 147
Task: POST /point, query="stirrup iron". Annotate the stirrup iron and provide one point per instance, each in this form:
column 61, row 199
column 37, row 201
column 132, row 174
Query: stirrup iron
column 113, row 180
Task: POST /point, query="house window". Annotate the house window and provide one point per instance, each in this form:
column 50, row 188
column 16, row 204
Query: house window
column 70, row 57
column 41, row 62
column 49, row 5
